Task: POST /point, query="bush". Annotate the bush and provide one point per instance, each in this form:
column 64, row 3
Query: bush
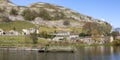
column 13, row 12
column 29, row 14
column 45, row 35
column 66, row 22
column 44, row 14
column 95, row 28
column 59, row 15
column 49, row 6
column 1, row 10
column 4, row 19
column 116, row 42
column 34, row 37
column 83, row 34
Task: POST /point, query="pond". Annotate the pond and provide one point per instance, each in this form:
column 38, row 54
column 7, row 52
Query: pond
column 83, row 53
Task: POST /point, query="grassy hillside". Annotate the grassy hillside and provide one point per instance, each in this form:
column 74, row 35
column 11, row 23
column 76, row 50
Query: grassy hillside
column 18, row 25
column 47, row 29
column 53, row 29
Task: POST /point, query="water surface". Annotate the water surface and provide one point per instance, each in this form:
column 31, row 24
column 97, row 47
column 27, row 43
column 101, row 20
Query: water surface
column 83, row 53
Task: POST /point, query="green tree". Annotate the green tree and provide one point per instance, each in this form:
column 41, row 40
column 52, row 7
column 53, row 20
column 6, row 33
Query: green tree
column 4, row 19
column 29, row 14
column 115, row 34
column 44, row 14
column 116, row 42
column 66, row 23
column 14, row 28
column 95, row 34
column 83, row 34
column 34, row 37
column 89, row 28
column 13, row 12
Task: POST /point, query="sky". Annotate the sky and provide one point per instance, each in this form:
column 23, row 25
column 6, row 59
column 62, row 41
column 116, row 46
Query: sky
column 108, row 10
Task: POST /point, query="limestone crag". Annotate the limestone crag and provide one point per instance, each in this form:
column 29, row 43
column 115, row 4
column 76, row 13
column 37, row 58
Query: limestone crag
column 4, row 0
column 57, row 14
column 6, row 3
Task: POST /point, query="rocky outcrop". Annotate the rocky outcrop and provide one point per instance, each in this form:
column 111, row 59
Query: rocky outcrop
column 6, row 3
column 5, row 0
column 57, row 14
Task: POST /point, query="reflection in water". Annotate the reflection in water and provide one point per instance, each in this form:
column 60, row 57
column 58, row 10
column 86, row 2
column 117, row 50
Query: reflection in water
column 83, row 53
column 100, row 53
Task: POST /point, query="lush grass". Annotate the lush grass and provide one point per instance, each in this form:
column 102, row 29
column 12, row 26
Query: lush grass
column 18, row 25
column 20, row 41
column 11, row 40
column 28, row 42
column 52, row 29
column 47, row 29
column 42, row 41
column 78, row 29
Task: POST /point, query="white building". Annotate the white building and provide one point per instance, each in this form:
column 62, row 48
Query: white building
column 28, row 31
column 1, row 32
column 13, row 32
column 60, row 35
column 64, row 34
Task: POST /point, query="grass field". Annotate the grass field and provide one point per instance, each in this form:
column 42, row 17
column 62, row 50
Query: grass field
column 18, row 25
column 20, row 41
column 47, row 29
column 11, row 40
column 52, row 29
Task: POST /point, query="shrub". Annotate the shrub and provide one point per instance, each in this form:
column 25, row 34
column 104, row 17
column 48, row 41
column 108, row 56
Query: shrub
column 1, row 10
column 13, row 12
column 83, row 34
column 95, row 28
column 66, row 22
column 29, row 14
column 44, row 14
column 4, row 19
column 44, row 34
column 116, row 42
column 59, row 15
column 34, row 37
column 49, row 6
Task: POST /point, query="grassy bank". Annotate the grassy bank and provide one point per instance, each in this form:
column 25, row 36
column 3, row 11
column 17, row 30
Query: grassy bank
column 19, row 41
column 12, row 40
column 27, row 41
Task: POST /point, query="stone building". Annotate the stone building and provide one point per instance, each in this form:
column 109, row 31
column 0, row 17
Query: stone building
column 61, row 35
column 1, row 32
column 29, row 31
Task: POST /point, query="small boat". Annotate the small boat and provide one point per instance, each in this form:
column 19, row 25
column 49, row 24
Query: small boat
column 57, row 49
column 70, row 51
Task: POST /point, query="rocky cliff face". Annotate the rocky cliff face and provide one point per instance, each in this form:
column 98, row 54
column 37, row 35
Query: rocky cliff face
column 6, row 3
column 53, row 15
column 4, row 0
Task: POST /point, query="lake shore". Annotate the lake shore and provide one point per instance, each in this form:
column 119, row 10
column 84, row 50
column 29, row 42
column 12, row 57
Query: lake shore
column 26, row 41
